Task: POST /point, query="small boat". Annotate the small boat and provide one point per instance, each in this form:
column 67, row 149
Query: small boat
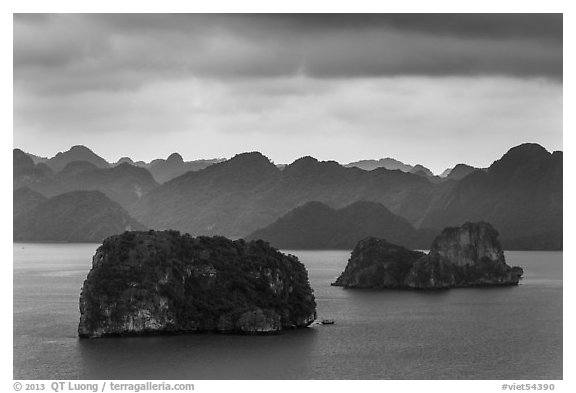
column 327, row 322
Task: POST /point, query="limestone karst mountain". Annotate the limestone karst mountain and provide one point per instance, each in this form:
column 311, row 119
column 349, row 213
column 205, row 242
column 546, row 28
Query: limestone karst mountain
column 174, row 166
column 520, row 194
column 37, row 177
column 76, row 153
column 465, row 256
column 164, row 282
column 458, row 172
column 387, row 163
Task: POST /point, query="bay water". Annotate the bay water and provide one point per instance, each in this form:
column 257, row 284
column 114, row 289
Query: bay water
column 508, row 333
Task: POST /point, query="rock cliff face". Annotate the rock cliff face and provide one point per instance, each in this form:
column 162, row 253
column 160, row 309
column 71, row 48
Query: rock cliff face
column 470, row 255
column 163, row 282
column 376, row 263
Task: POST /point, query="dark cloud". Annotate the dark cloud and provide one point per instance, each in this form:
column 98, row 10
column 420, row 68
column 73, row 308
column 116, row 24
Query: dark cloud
column 68, row 53
column 533, row 26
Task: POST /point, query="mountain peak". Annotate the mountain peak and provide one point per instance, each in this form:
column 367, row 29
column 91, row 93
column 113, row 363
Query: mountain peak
column 76, row 153
column 306, row 159
column 253, row 157
column 302, row 163
column 125, row 159
column 21, row 159
column 252, row 164
column 519, row 155
column 175, row 157
column 312, row 167
column 80, row 148
column 460, row 171
column 387, row 163
column 526, row 151
column 421, row 169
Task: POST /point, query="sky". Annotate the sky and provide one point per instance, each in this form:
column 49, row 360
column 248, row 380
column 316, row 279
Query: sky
column 436, row 89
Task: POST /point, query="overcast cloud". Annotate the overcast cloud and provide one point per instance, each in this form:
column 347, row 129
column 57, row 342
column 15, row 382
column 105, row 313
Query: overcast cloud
column 433, row 89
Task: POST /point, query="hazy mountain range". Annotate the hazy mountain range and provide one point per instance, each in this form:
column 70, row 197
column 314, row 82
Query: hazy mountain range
column 388, row 163
column 161, row 170
column 174, row 166
column 520, row 194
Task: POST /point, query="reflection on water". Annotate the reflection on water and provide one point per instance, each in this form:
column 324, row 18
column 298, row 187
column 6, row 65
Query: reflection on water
column 496, row 333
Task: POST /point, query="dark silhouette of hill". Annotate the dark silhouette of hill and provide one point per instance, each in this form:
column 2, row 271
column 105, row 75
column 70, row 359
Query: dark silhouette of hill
column 79, row 216
column 460, row 171
column 387, row 163
column 170, row 168
column 421, row 170
column 520, row 194
column 318, row 226
column 223, row 198
column 21, row 161
column 76, row 153
column 39, row 177
column 124, row 183
column 126, row 160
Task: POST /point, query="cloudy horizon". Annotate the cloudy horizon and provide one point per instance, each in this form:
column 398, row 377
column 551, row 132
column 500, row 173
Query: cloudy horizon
column 437, row 89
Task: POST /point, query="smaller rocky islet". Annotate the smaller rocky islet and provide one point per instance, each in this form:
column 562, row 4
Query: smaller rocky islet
column 466, row 256
column 162, row 282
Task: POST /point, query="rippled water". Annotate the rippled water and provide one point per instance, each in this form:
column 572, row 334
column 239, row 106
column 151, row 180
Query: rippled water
column 492, row 333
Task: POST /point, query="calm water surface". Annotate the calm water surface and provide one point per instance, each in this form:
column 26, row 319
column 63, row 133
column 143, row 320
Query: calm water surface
column 492, row 333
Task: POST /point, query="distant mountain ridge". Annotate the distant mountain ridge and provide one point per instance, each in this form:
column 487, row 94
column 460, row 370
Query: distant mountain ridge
column 388, row 163
column 458, row 172
column 76, row 153
column 391, row 164
column 37, row 177
column 421, row 169
column 174, row 166
column 520, row 194
column 164, row 170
